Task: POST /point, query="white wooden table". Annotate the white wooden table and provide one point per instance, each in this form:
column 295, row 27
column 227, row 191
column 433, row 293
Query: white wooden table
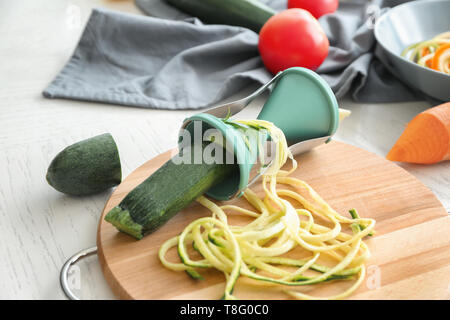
column 39, row 227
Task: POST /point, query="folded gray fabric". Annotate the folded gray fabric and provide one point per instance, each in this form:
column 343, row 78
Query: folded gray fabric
column 177, row 62
column 148, row 62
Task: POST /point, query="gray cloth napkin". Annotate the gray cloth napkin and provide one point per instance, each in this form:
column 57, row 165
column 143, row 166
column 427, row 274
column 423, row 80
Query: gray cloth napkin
column 177, row 62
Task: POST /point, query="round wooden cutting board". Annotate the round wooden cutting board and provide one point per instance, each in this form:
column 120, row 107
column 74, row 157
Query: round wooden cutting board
column 410, row 251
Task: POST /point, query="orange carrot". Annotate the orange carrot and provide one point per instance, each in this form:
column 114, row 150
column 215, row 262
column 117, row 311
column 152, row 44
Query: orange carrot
column 436, row 63
column 425, row 51
column 426, row 138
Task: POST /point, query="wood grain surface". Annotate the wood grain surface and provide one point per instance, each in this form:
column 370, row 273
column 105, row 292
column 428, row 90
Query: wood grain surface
column 410, row 252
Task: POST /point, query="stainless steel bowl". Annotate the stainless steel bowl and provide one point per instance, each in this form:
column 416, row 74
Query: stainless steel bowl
column 407, row 24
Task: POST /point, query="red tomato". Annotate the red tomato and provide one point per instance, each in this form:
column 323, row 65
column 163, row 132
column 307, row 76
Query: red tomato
column 292, row 38
column 317, row 7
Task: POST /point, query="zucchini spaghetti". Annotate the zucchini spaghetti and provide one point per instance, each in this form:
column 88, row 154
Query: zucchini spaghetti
column 257, row 250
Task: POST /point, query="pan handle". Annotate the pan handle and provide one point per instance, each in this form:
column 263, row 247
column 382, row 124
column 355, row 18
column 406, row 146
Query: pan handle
column 63, row 276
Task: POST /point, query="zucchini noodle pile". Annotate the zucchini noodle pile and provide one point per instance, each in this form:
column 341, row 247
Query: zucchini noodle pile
column 256, row 250
column 433, row 53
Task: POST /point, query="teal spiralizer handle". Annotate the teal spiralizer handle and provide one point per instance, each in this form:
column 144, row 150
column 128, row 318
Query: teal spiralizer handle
column 301, row 104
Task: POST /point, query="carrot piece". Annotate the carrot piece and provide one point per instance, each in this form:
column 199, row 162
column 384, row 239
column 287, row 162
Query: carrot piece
column 435, row 63
column 426, row 139
column 425, row 51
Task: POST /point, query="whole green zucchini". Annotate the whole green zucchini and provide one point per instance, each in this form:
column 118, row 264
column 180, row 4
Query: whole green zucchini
column 250, row 14
column 168, row 190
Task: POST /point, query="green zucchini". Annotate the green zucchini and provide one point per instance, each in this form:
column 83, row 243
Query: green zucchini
column 250, row 14
column 194, row 274
column 168, row 190
column 86, row 167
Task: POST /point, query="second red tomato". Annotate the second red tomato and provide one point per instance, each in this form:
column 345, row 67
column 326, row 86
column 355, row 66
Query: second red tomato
column 317, row 7
column 292, row 38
